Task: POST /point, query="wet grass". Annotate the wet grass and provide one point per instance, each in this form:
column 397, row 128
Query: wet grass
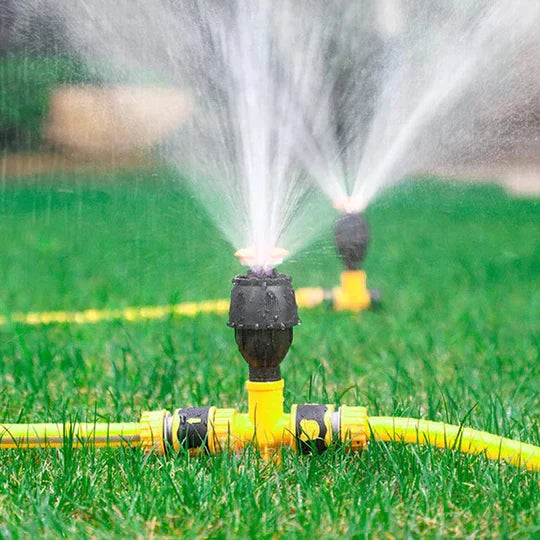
column 456, row 340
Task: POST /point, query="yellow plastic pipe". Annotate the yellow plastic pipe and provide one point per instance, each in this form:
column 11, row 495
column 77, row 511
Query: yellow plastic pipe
column 55, row 435
column 448, row 436
column 130, row 314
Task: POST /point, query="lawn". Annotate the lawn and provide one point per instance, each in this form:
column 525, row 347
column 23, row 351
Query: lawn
column 456, row 340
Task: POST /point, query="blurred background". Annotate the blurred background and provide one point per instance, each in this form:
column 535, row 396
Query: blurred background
column 57, row 115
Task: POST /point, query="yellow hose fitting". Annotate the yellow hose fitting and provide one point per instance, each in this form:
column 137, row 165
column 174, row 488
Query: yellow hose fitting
column 353, row 295
column 223, row 433
column 152, row 431
column 354, row 427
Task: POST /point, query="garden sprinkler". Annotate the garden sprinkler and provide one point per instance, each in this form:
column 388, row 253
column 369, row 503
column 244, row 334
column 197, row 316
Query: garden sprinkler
column 263, row 312
column 351, row 235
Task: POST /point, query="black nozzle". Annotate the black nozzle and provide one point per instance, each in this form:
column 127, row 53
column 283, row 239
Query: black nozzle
column 263, row 312
column 263, row 302
column 352, row 239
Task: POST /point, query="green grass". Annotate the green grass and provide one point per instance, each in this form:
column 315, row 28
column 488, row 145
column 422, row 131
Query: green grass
column 456, row 340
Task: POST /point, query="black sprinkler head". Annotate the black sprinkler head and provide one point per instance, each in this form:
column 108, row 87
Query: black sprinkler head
column 352, row 239
column 263, row 312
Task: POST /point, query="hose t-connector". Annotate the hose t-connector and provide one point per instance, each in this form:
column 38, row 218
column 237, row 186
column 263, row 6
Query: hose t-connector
column 263, row 312
column 309, row 428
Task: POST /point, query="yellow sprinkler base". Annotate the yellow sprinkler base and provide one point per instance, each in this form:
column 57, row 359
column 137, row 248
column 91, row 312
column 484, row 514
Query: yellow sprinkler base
column 353, row 295
column 309, row 428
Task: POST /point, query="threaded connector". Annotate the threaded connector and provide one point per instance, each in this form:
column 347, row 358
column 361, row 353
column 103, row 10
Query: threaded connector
column 222, row 436
column 354, row 427
column 152, row 431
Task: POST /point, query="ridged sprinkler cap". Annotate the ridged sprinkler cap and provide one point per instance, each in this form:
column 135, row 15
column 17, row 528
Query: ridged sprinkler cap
column 263, row 302
column 352, row 238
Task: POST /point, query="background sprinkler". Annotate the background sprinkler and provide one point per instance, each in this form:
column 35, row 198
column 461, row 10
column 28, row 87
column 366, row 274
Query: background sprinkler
column 351, row 235
column 263, row 312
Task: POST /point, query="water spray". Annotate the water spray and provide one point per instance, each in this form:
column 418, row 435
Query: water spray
column 263, row 312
